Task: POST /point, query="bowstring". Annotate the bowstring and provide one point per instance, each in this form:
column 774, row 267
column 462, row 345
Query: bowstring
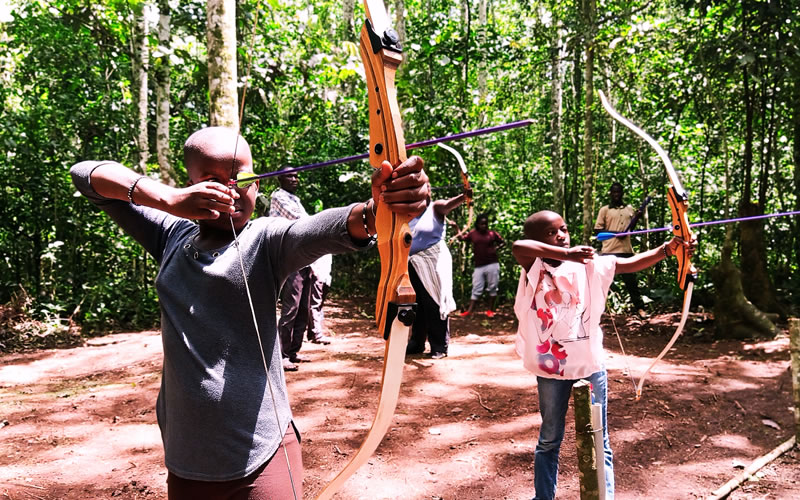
column 241, row 260
column 624, row 356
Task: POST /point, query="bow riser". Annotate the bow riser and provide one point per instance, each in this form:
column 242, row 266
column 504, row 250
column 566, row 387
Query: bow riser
column 679, row 205
column 381, row 60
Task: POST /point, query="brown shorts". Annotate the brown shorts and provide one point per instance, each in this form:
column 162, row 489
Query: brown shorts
column 269, row 482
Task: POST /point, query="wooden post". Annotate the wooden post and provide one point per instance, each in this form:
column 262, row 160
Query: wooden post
column 584, row 439
column 794, row 354
column 600, row 456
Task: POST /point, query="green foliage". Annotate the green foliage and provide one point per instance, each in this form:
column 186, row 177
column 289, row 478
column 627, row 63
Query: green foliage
column 676, row 68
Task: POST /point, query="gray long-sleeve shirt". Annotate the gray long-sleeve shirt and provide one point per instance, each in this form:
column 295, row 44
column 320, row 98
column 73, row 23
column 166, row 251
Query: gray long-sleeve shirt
column 216, row 414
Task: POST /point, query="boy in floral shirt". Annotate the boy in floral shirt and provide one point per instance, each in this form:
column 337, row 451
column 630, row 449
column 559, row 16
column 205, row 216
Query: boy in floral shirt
column 561, row 296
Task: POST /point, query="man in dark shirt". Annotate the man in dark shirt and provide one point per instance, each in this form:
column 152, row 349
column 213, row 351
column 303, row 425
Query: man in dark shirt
column 486, row 276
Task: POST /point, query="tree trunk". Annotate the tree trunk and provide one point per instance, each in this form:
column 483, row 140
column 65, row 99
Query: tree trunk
column 758, row 287
column 796, row 156
column 162, row 65
column 221, row 39
column 348, row 23
column 588, row 131
column 571, row 169
column 466, row 21
column 556, row 111
column 400, row 22
column 482, row 74
column 734, row 315
column 748, row 141
column 141, row 61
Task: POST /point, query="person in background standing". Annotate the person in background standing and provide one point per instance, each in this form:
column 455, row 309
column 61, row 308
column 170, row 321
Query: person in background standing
column 296, row 289
column 431, row 275
column 486, row 276
column 617, row 217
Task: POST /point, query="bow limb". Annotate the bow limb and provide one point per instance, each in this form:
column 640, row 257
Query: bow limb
column 464, row 182
column 395, row 305
column 678, row 204
column 687, row 299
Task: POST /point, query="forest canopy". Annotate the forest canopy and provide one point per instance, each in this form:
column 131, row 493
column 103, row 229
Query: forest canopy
column 717, row 84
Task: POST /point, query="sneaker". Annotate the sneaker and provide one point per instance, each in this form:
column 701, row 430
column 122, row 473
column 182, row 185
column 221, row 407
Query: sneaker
column 490, row 314
column 464, row 313
column 299, row 359
column 438, row 355
column 322, row 339
column 288, row 366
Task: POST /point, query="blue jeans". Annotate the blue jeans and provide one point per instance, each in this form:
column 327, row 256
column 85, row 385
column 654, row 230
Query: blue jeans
column 554, row 397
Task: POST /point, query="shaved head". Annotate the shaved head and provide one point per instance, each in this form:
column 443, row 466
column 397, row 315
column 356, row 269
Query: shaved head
column 536, row 225
column 214, row 144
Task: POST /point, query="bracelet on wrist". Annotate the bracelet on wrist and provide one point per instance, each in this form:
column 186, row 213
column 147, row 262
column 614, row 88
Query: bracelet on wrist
column 364, row 221
column 133, row 186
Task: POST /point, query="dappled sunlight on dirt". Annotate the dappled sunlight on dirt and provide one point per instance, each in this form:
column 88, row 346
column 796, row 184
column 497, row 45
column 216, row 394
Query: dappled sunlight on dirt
column 81, row 422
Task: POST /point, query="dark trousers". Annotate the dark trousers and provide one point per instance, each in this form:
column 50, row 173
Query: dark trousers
column 427, row 324
column 294, row 312
column 631, row 283
column 318, row 290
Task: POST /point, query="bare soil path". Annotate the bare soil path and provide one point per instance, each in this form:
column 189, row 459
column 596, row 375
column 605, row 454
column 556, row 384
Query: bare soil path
column 80, row 423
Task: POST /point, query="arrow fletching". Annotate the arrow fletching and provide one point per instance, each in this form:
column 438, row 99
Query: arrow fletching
column 244, row 179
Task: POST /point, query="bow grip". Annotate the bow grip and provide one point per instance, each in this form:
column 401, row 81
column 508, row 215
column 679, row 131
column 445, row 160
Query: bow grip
column 679, row 205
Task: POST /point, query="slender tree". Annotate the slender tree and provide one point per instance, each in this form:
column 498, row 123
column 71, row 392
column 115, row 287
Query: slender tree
column 163, row 80
column 141, row 63
column 556, row 112
column 348, row 31
column 589, row 13
column 400, row 21
column 221, row 40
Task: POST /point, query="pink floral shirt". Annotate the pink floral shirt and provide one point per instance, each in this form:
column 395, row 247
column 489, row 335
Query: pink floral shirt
column 559, row 311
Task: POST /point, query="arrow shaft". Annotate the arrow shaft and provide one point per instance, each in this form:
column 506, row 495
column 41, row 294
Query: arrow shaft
column 605, row 236
column 416, row 145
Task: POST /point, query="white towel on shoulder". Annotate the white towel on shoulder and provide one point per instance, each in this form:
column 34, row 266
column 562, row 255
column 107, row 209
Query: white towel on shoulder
column 434, row 266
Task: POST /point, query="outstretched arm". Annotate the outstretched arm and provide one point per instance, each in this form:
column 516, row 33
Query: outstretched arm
column 651, row 257
column 460, row 233
column 205, row 200
column 526, row 251
column 443, row 207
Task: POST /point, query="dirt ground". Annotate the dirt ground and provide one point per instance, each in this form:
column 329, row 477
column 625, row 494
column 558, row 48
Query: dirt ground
column 80, row 423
